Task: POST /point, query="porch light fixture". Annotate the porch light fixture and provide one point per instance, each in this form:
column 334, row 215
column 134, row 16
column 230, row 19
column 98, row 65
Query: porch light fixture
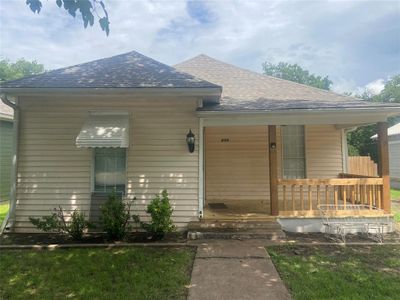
column 273, row 145
column 190, row 141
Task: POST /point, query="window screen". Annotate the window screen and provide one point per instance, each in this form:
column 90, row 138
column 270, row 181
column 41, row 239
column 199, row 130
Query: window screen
column 293, row 152
column 109, row 169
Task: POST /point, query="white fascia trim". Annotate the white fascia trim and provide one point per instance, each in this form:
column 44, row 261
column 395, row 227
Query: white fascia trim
column 299, row 117
column 395, row 110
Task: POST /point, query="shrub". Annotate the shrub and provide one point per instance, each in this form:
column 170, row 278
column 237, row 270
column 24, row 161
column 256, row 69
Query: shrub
column 56, row 222
column 115, row 217
column 160, row 211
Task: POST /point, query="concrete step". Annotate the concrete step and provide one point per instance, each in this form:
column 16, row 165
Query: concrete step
column 235, row 230
column 232, row 225
column 239, row 235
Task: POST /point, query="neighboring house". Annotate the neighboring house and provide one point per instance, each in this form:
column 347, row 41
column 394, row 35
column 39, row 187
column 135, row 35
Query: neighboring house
column 263, row 146
column 394, row 154
column 6, row 132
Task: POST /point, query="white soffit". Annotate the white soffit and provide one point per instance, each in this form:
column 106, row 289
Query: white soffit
column 104, row 130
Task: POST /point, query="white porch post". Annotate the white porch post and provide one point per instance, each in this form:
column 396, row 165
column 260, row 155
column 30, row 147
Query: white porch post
column 201, row 168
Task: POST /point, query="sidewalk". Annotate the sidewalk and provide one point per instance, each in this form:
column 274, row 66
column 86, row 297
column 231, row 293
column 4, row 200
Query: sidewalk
column 233, row 269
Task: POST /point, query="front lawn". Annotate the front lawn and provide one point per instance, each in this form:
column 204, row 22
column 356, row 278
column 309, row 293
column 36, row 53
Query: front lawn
column 121, row 273
column 395, row 196
column 3, row 212
column 339, row 272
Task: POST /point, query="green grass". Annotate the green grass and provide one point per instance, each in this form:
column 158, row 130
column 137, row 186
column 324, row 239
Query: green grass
column 394, row 194
column 3, row 212
column 335, row 272
column 123, row 273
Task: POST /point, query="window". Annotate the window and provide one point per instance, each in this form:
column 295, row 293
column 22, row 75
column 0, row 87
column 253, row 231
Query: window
column 109, row 169
column 293, row 152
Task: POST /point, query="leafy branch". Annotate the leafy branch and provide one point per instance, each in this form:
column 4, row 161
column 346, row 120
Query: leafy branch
column 87, row 8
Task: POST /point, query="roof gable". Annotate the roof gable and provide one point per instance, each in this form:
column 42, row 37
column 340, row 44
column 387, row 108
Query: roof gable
column 129, row 70
column 248, row 90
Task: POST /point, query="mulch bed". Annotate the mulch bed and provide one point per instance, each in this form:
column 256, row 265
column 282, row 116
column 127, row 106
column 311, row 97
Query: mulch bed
column 92, row 238
column 177, row 237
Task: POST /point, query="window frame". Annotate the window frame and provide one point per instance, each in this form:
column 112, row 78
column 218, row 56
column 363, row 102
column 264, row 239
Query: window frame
column 305, row 152
column 93, row 167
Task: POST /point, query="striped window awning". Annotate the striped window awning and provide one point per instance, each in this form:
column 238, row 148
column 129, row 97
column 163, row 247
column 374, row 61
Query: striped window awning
column 104, row 130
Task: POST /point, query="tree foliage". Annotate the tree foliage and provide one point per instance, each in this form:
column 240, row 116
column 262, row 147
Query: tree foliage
column 359, row 141
column 296, row 73
column 391, row 91
column 87, row 9
column 20, row 68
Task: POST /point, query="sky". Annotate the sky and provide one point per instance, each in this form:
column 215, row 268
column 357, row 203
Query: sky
column 355, row 43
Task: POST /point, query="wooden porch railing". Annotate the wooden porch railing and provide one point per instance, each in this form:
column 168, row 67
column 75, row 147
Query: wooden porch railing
column 304, row 195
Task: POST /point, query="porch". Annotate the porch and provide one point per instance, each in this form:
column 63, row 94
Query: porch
column 273, row 196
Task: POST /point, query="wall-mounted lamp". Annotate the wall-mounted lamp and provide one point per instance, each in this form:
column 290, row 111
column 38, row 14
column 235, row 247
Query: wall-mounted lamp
column 272, row 145
column 190, row 139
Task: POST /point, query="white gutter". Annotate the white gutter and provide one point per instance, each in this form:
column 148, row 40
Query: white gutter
column 9, row 219
column 391, row 110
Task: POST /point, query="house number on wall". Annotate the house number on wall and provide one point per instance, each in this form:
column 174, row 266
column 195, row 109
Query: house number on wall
column 226, row 140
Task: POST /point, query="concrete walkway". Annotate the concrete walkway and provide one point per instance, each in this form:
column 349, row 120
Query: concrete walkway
column 233, row 269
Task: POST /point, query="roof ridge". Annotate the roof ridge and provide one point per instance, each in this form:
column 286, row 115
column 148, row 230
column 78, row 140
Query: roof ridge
column 268, row 76
column 129, row 69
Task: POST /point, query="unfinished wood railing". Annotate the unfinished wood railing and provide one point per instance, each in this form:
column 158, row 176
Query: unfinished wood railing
column 302, row 196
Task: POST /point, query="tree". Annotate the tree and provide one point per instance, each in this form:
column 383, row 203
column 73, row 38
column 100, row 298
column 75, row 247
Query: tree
column 359, row 141
column 87, row 8
column 294, row 72
column 391, row 91
column 18, row 69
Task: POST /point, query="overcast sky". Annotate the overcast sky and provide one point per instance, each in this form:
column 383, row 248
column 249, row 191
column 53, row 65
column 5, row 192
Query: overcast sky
column 356, row 43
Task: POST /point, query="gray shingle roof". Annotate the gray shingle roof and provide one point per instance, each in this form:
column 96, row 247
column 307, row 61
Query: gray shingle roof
column 245, row 90
column 129, row 70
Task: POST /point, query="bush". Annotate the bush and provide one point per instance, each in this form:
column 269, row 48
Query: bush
column 160, row 211
column 56, row 222
column 115, row 217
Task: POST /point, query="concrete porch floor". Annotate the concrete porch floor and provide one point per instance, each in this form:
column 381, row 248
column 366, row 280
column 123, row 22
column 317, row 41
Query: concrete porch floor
column 238, row 210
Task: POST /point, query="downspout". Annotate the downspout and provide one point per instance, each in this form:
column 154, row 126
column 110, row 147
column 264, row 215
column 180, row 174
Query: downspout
column 9, row 220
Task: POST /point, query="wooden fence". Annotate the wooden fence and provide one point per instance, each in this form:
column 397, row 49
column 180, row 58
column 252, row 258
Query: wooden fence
column 362, row 165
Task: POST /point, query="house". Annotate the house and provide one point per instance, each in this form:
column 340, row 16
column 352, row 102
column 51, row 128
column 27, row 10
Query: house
column 227, row 143
column 394, row 154
column 6, row 129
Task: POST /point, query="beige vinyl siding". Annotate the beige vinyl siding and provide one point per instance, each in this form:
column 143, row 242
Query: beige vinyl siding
column 6, row 142
column 324, row 158
column 394, row 159
column 52, row 171
column 237, row 170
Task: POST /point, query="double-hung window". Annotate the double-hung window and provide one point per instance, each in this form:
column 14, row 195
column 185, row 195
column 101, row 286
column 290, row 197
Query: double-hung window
column 109, row 169
column 293, row 155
